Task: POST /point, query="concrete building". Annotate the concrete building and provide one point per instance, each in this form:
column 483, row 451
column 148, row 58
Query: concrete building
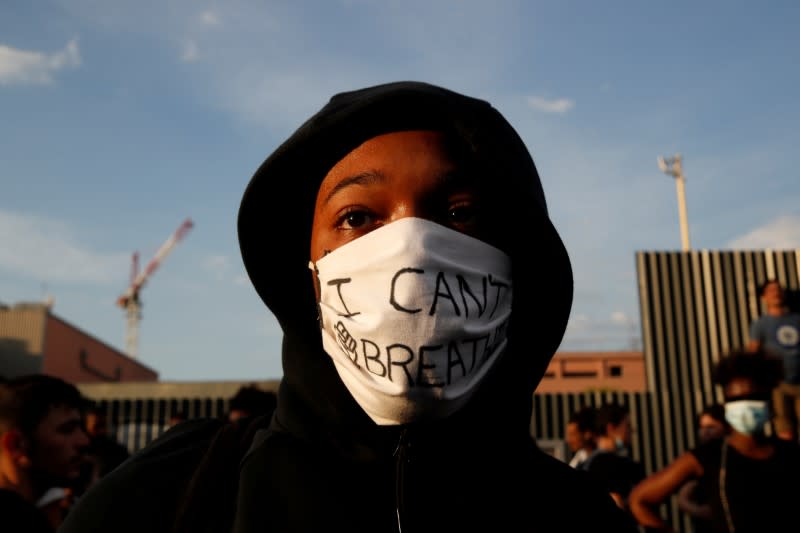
column 34, row 340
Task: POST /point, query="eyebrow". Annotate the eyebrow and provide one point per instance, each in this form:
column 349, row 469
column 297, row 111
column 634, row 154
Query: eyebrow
column 364, row 178
column 370, row 177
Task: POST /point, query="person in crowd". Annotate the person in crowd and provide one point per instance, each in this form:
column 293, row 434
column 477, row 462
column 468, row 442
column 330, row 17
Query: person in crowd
column 42, row 444
column 777, row 331
column 104, row 452
column 250, row 401
column 749, row 476
column 176, row 418
column 611, row 463
column 580, row 435
column 55, row 503
column 692, row 499
column 389, row 235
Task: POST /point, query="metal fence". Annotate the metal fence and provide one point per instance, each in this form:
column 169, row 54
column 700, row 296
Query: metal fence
column 138, row 413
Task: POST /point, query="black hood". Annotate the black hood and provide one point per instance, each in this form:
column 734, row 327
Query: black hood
column 274, row 227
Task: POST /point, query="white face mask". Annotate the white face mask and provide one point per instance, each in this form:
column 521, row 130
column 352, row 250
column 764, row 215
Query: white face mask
column 747, row 416
column 414, row 315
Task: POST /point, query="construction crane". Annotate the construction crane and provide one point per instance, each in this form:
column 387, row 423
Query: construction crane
column 130, row 301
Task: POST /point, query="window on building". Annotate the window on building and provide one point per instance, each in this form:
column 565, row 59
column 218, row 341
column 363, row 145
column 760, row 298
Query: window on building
column 580, row 374
column 615, row 371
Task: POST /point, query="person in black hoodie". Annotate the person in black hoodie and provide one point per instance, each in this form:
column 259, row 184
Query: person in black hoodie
column 389, row 235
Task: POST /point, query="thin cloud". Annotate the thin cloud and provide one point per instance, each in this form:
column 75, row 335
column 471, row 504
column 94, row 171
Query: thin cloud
column 218, row 265
column 190, row 52
column 209, row 18
column 27, row 67
column 47, row 250
column 782, row 233
column 619, row 317
column 559, row 105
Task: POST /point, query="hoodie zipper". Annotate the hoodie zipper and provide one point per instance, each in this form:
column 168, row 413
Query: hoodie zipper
column 402, row 460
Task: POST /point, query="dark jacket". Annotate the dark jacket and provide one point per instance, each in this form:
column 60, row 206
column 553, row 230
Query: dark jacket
column 320, row 463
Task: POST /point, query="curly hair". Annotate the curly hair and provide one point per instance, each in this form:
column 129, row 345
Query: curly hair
column 611, row 412
column 253, row 400
column 763, row 369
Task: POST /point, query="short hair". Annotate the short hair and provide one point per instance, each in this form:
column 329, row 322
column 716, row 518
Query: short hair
column 763, row 369
column 715, row 411
column 253, row 400
column 768, row 282
column 609, row 413
column 584, row 418
column 25, row 401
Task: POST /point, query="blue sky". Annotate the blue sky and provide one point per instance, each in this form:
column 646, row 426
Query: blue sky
column 118, row 120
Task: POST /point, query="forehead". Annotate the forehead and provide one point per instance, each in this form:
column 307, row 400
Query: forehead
column 772, row 287
column 58, row 415
column 707, row 419
column 740, row 386
column 403, row 154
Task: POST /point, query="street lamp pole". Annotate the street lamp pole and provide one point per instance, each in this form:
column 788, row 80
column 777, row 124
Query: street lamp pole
column 672, row 166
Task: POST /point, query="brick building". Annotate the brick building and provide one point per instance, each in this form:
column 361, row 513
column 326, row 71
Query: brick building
column 33, row 339
column 575, row 372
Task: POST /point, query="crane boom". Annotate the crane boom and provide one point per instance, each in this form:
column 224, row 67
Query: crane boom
column 139, row 281
column 129, row 300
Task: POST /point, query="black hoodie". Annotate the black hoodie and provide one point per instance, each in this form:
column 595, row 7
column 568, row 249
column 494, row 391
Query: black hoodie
column 320, row 463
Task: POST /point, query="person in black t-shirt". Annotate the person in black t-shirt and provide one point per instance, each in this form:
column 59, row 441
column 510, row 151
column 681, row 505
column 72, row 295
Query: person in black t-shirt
column 692, row 497
column 610, row 464
column 750, row 477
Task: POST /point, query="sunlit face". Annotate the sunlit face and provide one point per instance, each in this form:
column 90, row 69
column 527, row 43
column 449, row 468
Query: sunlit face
column 96, row 424
column 773, row 294
column 237, row 414
column 389, row 177
column 573, row 437
column 59, row 444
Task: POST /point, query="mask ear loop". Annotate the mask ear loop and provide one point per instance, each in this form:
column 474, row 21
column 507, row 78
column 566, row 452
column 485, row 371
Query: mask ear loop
column 313, row 267
column 723, row 496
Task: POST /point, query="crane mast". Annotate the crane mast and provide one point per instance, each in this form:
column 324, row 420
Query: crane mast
column 130, row 301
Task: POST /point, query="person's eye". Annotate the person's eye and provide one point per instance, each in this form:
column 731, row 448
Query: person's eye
column 462, row 214
column 353, row 219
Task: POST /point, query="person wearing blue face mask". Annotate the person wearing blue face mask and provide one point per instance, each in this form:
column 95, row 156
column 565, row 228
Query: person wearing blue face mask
column 750, row 475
